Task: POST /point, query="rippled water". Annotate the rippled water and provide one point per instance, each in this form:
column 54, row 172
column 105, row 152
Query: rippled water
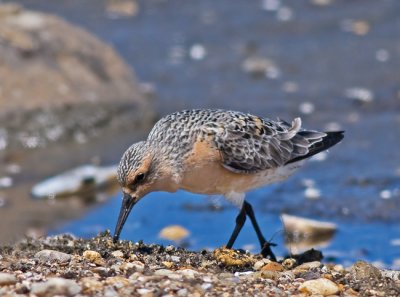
column 373, row 241
column 335, row 65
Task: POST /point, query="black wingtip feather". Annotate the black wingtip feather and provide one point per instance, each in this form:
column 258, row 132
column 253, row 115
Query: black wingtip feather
column 328, row 141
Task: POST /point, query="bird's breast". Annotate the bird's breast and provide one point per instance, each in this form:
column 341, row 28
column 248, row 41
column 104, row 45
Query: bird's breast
column 204, row 173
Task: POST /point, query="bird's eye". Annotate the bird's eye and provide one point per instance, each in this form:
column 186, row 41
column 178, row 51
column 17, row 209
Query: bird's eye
column 140, row 177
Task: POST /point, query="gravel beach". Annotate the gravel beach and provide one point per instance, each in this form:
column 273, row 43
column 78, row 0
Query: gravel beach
column 67, row 266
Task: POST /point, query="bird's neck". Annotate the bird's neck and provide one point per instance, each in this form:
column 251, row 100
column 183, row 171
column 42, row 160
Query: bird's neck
column 168, row 174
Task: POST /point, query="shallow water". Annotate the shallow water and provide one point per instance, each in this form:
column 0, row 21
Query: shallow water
column 373, row 241
column 314, row 56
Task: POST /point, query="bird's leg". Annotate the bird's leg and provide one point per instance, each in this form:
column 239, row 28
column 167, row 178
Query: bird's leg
column 265, row 245
column 240, row 219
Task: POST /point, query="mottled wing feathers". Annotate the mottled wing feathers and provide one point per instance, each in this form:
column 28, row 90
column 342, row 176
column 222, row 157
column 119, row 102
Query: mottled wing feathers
column 246, row 143
column 249, row 144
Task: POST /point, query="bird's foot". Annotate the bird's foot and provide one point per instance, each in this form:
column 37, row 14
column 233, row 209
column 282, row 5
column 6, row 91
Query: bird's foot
column 266, row 251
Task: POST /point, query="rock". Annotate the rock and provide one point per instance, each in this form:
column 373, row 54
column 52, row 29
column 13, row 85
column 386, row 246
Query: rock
column 302, row 233
column 393, row 274
column 94, row 257
column 230, row 257
column 272, row 266
column 261, row 263
column 175, row 258
column 289, row 263
column 7, row 279
column 56, row 78
column 267, row 274
column 321, row 286
column 259, row 67
column 306, row 227
column 122, row 8
column 118, row 254
column 174, row 233
column 52, row 256
column 167, row 264
column 90, row 285
column 82, row 180
column 138, row 266
column 168, row 273
column 56, row 286
column 189, row 273
column 359, row 95
column 117, row 281
column 363, row 271
column 308, row 265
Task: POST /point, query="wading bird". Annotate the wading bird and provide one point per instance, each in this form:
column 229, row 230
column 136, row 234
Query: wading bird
column 217, row 152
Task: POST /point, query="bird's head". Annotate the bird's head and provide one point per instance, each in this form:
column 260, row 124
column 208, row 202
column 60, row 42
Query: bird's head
column 140, row 172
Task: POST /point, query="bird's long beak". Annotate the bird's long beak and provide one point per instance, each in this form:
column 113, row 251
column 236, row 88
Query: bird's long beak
column 127, row 204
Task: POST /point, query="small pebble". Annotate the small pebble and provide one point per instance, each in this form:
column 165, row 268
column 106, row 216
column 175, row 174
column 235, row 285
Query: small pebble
column 197, row 52
column 175, row 258
column 362, row 270
column 94, row 257
column 306, row 108
column 174, row 233
column 56, row 286
column 6, row 182
column 259, row 264
column 52, row 256
column 320, row 286
column 309, row 265
column 359, row 94
column 272, row 266
column 118, row 254
column 7, row 279
column 312, row 193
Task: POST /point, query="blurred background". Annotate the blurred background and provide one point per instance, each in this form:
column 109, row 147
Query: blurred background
column 80, row 80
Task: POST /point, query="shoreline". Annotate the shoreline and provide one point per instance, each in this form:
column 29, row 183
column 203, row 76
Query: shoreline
column 70, row 266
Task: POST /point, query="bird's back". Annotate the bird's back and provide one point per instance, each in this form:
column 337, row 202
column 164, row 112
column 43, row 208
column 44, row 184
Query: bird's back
column 246, row 143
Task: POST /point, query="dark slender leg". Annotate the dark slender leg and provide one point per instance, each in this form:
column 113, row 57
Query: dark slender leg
column 265, row 245
column 240, row 219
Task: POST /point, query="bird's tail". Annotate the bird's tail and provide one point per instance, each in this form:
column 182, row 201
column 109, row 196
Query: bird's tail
column 326, row 142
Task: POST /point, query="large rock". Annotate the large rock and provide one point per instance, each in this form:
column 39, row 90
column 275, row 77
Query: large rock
column 57, row 79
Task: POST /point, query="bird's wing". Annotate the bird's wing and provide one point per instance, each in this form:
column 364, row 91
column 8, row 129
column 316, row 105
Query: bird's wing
column 250, row 144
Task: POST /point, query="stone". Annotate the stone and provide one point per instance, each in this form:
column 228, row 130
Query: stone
column 122, row 8
column 52, row 256
column 56, row 286
column 117, row 281
column 309, row 265
column 118, row 254
column 168, row 273
column 272, row 266
column 7, row 279
column 321, row 286
column 363, row 271
column 189, row 273
column 259, row 264
column 90, row 285
column 174, row 233
column 56, row 76
column 268, row 274
column 138, row 266
column 230, row 257
column 289, row 263
column 94, row 257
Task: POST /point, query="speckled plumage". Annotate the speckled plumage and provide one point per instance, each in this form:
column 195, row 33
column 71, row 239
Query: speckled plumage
column 247, row 143
column 217, row 152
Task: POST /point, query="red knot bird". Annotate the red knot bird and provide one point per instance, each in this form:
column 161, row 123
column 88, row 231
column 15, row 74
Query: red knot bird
column 217, row 152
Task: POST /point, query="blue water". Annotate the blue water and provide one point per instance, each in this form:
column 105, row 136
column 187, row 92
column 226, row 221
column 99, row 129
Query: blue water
column 209, row 229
